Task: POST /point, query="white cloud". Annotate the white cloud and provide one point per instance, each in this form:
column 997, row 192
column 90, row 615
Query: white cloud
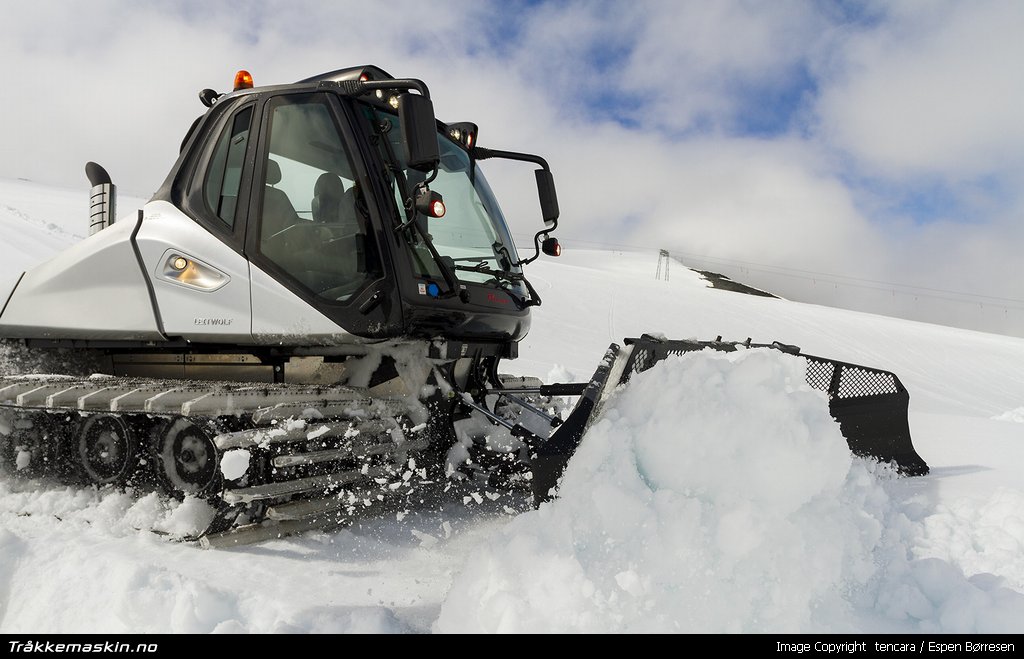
column 699, row 60
column 934, row 91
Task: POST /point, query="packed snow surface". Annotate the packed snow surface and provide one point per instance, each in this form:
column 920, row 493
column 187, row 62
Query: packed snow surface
column 714, row 493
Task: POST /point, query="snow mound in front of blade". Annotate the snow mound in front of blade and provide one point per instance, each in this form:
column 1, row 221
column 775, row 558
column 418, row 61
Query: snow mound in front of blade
column 707, row 498
column 715, row 494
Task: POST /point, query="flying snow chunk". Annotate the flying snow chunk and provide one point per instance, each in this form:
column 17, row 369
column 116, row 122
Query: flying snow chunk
column 234, row 464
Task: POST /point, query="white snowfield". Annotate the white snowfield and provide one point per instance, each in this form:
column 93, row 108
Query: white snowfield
column 715, row 492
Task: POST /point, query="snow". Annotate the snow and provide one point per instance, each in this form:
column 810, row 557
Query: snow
column 736, row 508
column 713, row 494
column 23, row 460
column 234, row 464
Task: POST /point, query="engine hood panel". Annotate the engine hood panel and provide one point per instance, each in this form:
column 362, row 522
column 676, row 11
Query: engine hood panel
column 93, row 290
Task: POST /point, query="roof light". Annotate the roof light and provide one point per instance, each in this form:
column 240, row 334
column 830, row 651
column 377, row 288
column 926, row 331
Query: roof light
column 208, row 97
column 364, row 76
column 464, row 133
column 393, row 102
column 551, row 247
column 243, row 80
column 430, row 203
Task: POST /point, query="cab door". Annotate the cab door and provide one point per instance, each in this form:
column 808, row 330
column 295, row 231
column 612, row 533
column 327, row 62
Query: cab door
column 318, row 270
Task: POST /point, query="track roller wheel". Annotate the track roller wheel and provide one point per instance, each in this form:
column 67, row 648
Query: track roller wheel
column 105, row 449
column 186, row 459
column 29, row 447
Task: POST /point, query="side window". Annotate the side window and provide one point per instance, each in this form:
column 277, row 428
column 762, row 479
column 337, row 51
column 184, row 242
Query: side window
column 225, row 172
column 314, row 223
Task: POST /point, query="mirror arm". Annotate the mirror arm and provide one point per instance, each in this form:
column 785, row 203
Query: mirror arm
column 540, row 235
column 483, row 154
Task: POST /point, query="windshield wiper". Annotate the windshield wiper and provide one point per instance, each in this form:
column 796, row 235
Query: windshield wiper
column 480, row 261
column 409, row 207
column 501, row 278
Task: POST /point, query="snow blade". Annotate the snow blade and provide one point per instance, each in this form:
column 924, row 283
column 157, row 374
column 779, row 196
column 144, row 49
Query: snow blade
column 551, row 457
column 869, row 404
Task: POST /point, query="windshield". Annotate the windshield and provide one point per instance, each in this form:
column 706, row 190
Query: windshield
column 473, row 230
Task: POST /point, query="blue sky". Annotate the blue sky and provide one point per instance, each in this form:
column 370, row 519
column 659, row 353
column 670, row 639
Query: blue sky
column 868, row 139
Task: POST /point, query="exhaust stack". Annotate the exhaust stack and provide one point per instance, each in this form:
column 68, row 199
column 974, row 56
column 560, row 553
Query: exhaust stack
column 102, row 198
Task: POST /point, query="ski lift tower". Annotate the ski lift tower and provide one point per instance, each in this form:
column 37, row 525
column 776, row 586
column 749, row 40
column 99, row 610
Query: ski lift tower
column 663, row 258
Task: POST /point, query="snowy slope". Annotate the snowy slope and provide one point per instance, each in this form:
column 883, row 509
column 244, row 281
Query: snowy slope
column 672, row 510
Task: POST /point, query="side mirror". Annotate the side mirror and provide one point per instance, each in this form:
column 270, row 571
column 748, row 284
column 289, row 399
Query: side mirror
column 548, row 197
column 419, row 131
